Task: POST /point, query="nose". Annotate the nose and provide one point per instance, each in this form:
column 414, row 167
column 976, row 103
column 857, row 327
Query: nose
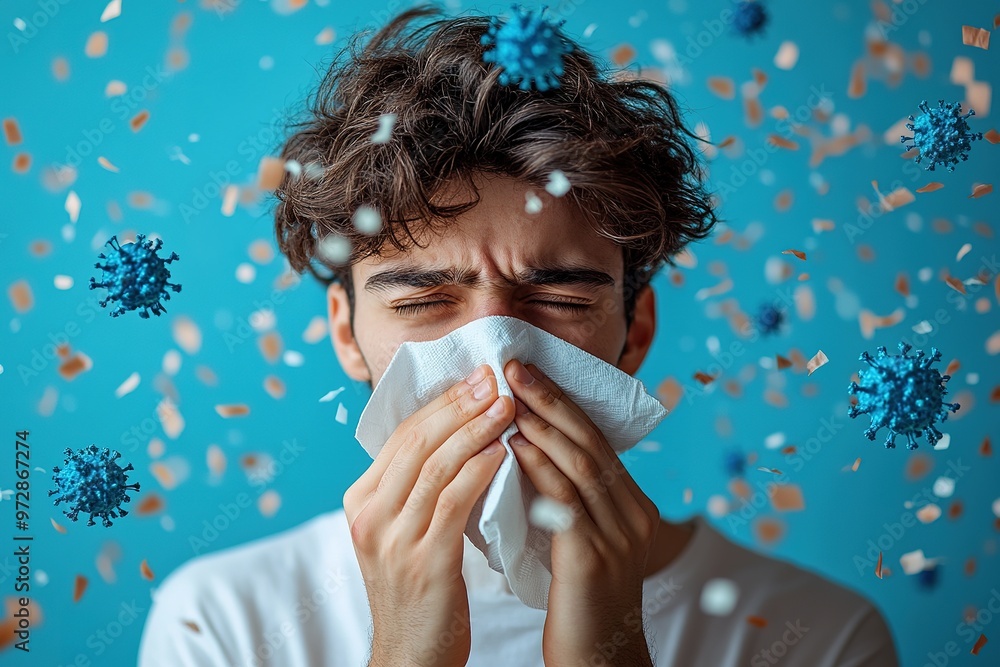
column 492, row 304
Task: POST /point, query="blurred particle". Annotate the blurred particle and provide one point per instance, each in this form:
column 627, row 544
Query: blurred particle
column 171, row 362
column 79, row 586
column 325, row 36
column 316, row 330
column 293, row 358
column 266, row 63
column 734, row 462
column 187, row 334
column 170, row 418
column 268, row 503
column 128, row 386
column 145, row 571
column 341, row 414
column 245, row 273
column 558, row 184
column 270, row 171
column 97, row 45
column 21, row 296
column 384, row 132
column 234, row 410
column 787, row 55
column 550, row 515
column 532, row 203
column 112, row 11
column 927, row 578
column 749, row 18
column 929, row 513
column 274, row 387
column 367, row 220
column 334, row 248
column 787, row 498
column 944, row 487
column 719, row 597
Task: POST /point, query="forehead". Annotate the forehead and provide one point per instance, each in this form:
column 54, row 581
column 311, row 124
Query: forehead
column 498, row 230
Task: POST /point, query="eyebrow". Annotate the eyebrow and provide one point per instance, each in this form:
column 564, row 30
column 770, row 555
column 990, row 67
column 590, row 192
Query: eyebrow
column 579, row 276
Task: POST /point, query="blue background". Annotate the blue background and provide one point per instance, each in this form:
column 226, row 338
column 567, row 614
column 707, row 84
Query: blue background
column 233, row 104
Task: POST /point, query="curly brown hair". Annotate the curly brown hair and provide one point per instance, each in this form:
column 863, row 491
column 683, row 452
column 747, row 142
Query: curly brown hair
column 620, row 143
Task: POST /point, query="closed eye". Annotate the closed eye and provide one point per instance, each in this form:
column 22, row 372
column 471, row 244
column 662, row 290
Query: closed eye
column 558, row 305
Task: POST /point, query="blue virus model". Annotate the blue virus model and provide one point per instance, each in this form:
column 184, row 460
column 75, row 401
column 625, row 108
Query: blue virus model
column 927, row 578
column 749, row 18
column 768, row 319
column 528, row 47
column 734, row 462
column 941, row 134
column 902, row 393
column 92, row 482
column 135, row 276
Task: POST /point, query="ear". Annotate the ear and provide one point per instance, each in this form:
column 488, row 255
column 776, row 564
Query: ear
column 640, row 333
column 344, row 343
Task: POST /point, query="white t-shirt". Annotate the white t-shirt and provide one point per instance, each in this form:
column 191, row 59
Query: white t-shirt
column 298, row 598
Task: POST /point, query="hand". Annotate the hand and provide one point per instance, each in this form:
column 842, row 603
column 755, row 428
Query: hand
column 408, row 513
column 598, row 563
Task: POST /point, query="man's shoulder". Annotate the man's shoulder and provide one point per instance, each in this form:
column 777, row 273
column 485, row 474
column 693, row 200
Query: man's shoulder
column 775, row 581
column 252, row 567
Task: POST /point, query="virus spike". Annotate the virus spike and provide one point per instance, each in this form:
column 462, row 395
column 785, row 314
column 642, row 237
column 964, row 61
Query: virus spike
column 528, row 47
column 749, row 18
column 942, row 135
column 135, row 276
column 903, row 394
column 92, row 482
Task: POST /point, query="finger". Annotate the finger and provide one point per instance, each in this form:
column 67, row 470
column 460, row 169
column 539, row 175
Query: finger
column 550, row 403
column 613, row 457
column 580, row 468
column 445, row 464
column 550, row 482
column 455, row 502
column 455, row 406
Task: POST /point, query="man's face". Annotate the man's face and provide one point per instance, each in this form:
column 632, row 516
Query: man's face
column 494, row 259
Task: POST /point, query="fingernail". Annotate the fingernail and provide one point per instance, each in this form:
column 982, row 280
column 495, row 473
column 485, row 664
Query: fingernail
column 482, row 390
column 518, row 440
column 521, row 408
column 476, row 376
column 522, row 375
column 493, row 448
column 496, row 409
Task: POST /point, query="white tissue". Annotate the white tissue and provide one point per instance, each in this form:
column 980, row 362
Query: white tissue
column 498, row 526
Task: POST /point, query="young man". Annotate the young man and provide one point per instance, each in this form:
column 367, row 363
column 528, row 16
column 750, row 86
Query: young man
column 391, row 579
